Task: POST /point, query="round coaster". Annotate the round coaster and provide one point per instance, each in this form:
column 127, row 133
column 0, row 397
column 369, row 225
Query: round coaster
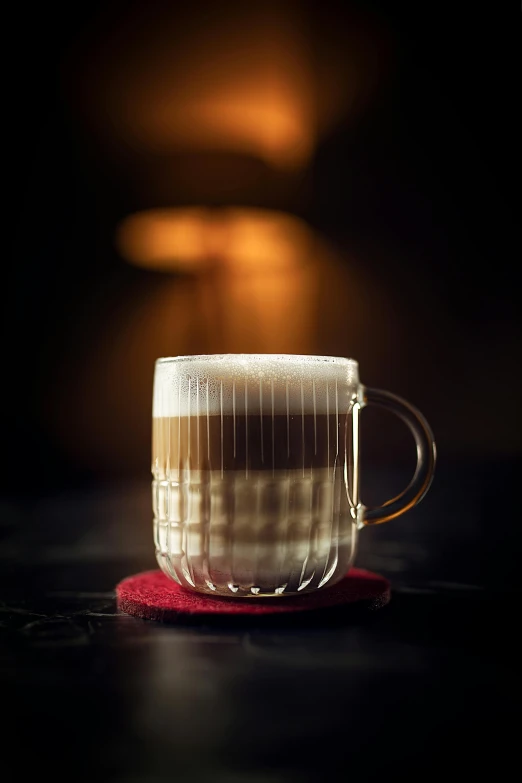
column 153, row 596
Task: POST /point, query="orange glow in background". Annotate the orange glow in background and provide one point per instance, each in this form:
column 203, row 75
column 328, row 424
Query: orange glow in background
column 253, row 271
column 241, row 78
column 194, row 238
column 254, row 86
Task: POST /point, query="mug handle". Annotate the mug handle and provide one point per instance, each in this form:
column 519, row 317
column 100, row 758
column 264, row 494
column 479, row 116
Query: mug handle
column 426, row 457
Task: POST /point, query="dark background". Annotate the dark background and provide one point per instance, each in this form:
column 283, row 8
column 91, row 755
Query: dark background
column 414, row 189
column 417, row 195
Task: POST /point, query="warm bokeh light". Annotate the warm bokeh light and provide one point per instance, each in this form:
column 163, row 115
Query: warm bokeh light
column 241, row 84
column 192, row 239
column 264, row 116
column 254, row 80
column 206, row 119
column 165, row 239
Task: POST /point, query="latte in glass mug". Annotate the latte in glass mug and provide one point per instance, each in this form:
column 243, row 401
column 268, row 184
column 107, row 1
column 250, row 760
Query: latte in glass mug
column 255, row 463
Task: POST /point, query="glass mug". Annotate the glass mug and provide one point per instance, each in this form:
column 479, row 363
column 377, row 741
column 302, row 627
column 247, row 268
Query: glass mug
column 255, row 463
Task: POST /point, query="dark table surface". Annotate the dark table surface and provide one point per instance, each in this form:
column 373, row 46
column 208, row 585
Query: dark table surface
column 429, row 684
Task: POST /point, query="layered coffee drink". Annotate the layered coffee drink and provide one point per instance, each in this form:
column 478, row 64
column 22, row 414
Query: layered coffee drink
column 254, row 489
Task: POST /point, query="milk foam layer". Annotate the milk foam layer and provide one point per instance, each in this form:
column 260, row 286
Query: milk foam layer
column 253, row 383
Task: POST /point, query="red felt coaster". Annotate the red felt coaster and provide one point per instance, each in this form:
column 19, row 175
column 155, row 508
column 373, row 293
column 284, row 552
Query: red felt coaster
column 153, row 596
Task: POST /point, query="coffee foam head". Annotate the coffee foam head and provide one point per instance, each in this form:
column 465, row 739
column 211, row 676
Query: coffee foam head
column 253, row 383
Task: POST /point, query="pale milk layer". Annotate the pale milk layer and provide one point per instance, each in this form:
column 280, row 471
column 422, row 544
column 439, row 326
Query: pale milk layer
column 263, row 534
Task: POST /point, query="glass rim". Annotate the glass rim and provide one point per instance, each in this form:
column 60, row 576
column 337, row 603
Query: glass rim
column 295, row 357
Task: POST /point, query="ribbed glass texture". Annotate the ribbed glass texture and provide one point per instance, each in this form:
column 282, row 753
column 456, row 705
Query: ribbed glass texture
column 255, row 488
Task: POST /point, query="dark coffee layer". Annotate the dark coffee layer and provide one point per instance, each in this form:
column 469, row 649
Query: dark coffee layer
column 255, row 442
